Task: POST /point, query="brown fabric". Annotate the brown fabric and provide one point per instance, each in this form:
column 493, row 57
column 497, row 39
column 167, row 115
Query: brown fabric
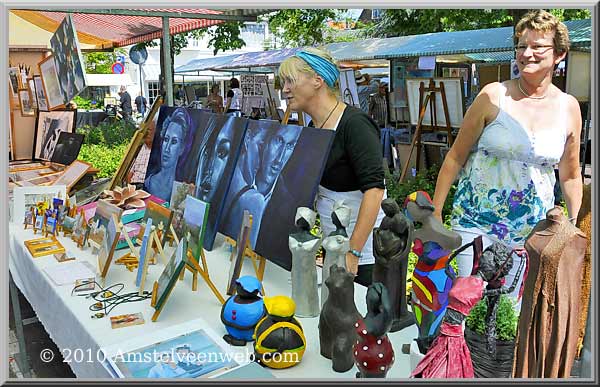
column 584, row 223
column 548, row 328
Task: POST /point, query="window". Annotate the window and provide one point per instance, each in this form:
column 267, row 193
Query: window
column 153, row 91
column 376, row 14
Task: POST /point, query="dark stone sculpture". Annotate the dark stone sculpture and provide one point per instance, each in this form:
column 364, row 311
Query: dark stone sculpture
column 391, row 246
column 304, row 246
column 337, row 319
column 373, row 351
column 433, row 244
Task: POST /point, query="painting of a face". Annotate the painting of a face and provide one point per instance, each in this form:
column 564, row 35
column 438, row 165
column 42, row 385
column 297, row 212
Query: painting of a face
column 172, row 145
column 277, row 152
column 213, row 160
column 253, row 147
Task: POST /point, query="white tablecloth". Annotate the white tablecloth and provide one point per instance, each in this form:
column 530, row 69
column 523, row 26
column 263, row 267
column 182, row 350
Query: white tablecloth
column 67, row 318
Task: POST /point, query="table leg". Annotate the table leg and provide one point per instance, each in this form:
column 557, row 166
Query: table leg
column 16, row 306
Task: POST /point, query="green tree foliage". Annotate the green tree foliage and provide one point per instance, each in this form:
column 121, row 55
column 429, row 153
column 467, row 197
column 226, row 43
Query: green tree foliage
column 507, row 318
column 105, row 158
column 300, row 27
column 101, row 62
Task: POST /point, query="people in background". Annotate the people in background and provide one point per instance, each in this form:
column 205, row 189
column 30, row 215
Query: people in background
column 141, row 104
column 214, row 100
column 365, row 88
column 234, row 96
column 378, row 105
column 125, row 103
column 354, row 168
column 511, row 139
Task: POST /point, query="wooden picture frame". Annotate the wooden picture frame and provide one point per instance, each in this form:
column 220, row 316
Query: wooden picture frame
column 108, row 246
column 72, row 174
column 40, row 247
column 31, row 87
column 48, row 126
column 26, row 103
column 40, row 94
column 50, row 83
column 13, row 81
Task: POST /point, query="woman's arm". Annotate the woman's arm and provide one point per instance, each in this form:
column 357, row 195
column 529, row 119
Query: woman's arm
column 365, row 221
column 569, row 170
column 473, row 123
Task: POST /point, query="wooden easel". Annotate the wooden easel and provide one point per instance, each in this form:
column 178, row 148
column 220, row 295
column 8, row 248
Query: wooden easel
column 195, row 268
column 427, row 96
column 286, row 117
column 131, row 258
column 236, row 258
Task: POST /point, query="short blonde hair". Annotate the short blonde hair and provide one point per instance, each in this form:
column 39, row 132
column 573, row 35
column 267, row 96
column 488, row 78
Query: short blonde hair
column 544, row 21
column 291, row 68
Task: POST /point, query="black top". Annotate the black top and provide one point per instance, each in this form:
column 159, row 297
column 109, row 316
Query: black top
column 230, row 94
column 356, row 160
column 126, row 102
column 140, row 101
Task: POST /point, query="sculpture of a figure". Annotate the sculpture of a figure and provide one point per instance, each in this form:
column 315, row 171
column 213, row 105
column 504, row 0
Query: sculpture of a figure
column 373, row 351
column 433, row 244
column 337, row 332
column 304, row 246
column 391, row 245
column 336, row 244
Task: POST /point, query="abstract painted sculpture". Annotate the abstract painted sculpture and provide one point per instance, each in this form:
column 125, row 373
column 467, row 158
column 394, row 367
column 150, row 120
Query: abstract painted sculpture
column 242, row 311
column 391, row 245
column 373, row 352
column 304, row 246
column 433, row 244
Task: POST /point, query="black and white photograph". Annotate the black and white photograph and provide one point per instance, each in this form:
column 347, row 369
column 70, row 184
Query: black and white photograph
column 48, row 129
column 68, row 60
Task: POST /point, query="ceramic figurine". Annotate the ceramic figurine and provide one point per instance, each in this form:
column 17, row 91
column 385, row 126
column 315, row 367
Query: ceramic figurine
column 373, row 352
column 304, row 246
column 391, row 245
column 336, row 323
column 279, row 340
column 242, row 311
column 433, row 244
column 336, row 244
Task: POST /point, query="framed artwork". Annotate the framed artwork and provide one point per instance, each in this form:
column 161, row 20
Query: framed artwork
column 73, row 173
column 143, row 258
column 50, row 83
column 286, row 163
column 169, row 276
column 13, row 77
column 177, row 204
column 348, row 87
column 67, row 148
column 40, row 95
column 27, row 197
column 182, row 351
column 31, row 87
column 48, row 127
column 68, row 60
column 107, row 248
column 39, row 181
column 40, row 247
column 26, row 103
column 195, row 218
column 159, row 214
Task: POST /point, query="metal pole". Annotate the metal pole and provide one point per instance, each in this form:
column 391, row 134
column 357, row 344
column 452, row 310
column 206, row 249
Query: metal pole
column 168, row 66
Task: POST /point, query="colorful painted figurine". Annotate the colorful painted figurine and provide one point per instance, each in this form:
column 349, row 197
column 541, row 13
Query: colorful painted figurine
column 392, row 242
column 279, row 337
column 373, row 352
column 433, row 244
column 242, row 311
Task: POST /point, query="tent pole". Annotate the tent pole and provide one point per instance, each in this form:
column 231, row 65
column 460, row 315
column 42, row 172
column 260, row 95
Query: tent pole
column 168, row 66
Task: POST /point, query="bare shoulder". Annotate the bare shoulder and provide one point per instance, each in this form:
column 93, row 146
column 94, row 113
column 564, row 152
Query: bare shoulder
column 486, row 102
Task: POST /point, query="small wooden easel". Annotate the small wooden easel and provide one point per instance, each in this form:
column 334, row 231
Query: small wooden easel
column 195, row 268
column 286, row 117
column 238, row 254
column 424, row 101
column 131, row 258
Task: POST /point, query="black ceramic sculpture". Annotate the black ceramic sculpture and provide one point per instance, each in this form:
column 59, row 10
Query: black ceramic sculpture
column 391, row 246
column 304, row 246
column 373, row 351
column 337, row 332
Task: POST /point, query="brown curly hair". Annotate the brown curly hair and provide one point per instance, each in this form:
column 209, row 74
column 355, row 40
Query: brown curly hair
column 540, row 20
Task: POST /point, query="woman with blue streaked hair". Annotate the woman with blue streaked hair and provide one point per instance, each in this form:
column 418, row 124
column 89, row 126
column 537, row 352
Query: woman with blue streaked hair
column 354, row 168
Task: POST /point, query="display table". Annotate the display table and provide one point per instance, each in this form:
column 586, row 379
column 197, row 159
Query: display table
column 67, row 319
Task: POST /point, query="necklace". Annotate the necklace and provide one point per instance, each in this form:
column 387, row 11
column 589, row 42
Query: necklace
column 329, row 116
column 528, row 95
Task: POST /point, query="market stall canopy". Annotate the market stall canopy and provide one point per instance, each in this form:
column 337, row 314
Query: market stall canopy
column 485, row 45
column 108, row 28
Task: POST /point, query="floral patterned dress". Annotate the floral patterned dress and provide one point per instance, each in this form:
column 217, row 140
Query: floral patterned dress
column 507, row 184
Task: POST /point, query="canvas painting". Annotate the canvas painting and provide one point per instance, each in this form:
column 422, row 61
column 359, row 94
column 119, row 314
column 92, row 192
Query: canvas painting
column 279, row 170
column 50, row 83
column 40, row 96
column 195, row 147
column 193, row 354
column 49, row 125
column 68, row 60
column 107, row 248
column 170, row 273
column 159, row 214
column 67, row 148
column 26, row 197
column 143, row 263
column 104, row 211
column 195, row 218
column 177, row 204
